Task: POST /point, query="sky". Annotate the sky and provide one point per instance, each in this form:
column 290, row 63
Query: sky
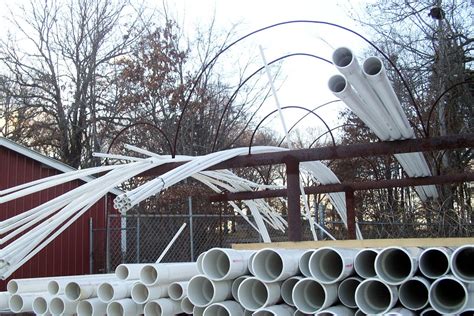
column 302, row 80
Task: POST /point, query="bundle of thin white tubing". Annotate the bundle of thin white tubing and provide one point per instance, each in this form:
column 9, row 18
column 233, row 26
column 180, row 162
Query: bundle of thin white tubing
column 321, row 281
column 368, row 92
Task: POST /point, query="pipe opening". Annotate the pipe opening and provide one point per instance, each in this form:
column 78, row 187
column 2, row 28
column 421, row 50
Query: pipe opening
column 122, row 272
column 463, row 263
column 337, row 83
column 434, row 263
column 15, row 303
column 413, row 294
column 216, row 310
column 148, row 275
column 326, row 265
column 372, row 66
column 56, row 306
column 200, row 291
column 447, row 296
column 140, row 293
column 253, row 294
column 309, row 296
column 287, row 290
column 40, row 305
column 364, row 263
column 342, row 57
column 175, row 291
column 153, row 308
column 84, row 308
column 267, row 265
column 303, row 264
column 216, row 264
column 394, row 265
column 346, row 292
column 187, row 306
column 235, row 287
column 53, row 287
column 373, row 297
column 12, row 287
column 265, row 313
column 115, row 309
column 73, row 291
column 105, row 292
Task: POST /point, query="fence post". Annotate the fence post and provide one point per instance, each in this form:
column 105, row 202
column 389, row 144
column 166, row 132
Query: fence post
column 191, row 240
column 137, row 245
column 107, row 245
column 91, row 247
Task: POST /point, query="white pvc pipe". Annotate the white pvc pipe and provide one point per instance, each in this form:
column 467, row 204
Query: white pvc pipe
column 253, row 293
column 364, row 263
column 199, row 262
column 287, row 289
column 124, row 307
column 225, row 308
column 186, row 305
column 225, row 264
column 141, row 293
column 434, row 262
column 395, row 265
column 276, row 310
column 40, row 305
column 61, row 306
column 91, row 307
column 300, row 313
column 21, row 303
column 337, row 310
column 163, row 273
column 413, row 294
column 310, row 296
column 376, row 297
column 400, row 311
column 129, row 271
column 4, row 298
column 449, row 295
column 162, row 307
column 346, row 291
column 18, row 286
column 270, row 265
column 198, row 311
column 247, row 313
column 329, row 265
column 178, row 290
column 430, row 312
column 170, row 244
column 57, row 285
column 235, row 286
column 303, row 264
column 250, row 263
column 462, row 263
column 203, row 292
column 110, row 291
column 75, row 291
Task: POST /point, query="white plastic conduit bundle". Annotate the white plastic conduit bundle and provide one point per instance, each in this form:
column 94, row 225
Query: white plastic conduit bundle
column 277, row 286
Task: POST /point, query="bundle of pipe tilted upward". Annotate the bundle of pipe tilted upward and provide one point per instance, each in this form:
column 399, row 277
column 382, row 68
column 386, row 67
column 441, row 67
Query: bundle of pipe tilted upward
column 283, row 282
column 368, row 92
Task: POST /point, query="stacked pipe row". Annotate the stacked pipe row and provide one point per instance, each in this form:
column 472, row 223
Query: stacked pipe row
column 368, row 92
column 283, row 282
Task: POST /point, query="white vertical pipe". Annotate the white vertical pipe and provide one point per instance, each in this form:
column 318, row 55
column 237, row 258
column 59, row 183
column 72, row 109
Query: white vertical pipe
column 59, row 305
column 287, row 289
column 270, row 265
column 186, row 305
column 329, row 265
column 364, row 262
column 303, row 263
column 346, row 291
column 310, row 296
column 178, row 290
column 124, row 307
column 161, row 273
column 276, row 310
column 413, row 294
column 225, row 308
column 235, row 286
column 91, row 307
column 225, row 264
column 395, row 265
column 141, row 293
column 376, row 297
column 434, row 262
column 449, row 295
column 21, row 303
column 253, row 293
column 462, row 263
column 202, row 291
column 162, row 307
column 337, row 310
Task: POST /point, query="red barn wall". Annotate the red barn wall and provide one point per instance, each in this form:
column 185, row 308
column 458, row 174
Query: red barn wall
column 69, row 253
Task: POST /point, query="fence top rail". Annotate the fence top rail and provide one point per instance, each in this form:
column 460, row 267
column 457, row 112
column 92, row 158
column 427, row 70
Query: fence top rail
column 367, row 243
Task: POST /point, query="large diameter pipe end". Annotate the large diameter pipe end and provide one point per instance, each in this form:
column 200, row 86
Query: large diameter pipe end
column 394, row 265
column 105, row 292
column 413, row 294
column 346, row 291
column 448, row 295
column 326, row 265
column 303, row 264
column 372, row 66
column 140, row 293
column 342, row 57
column 148, row 275
column 200, row 291
column 309, row 296
column 364, row 263
column 73, row 291
column 186, row 305
column 375, row 297
column 434, row 262
column 462, row 263
column 122, row 272
column 12, row 287
column 337, row 84
column 216, row 264
column 53, row 287
column 40, row 305
column 15, row 303
column 267, row 265
column 84, row 308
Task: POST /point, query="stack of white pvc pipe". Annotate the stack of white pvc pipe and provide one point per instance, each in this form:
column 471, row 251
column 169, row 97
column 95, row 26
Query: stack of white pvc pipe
column 284, row 282
column 368, row 92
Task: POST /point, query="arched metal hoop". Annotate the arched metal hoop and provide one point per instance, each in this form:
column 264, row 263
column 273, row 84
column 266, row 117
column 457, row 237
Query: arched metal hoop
column 212, row 61
column 285, row 108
